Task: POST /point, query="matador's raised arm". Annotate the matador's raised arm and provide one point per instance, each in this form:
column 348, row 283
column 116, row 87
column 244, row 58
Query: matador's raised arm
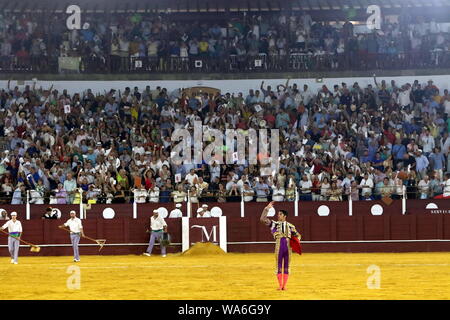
column 263, row 218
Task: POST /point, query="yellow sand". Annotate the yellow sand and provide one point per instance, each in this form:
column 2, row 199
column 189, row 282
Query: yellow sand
column 204, row 248
column 228, row 276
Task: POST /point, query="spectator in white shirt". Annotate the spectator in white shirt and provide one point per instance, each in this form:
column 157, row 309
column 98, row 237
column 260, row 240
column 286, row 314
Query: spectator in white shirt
column 191, row 178
column 325, row 188
column 278, row 193
column 247, row 192
column 242, row 181
column 214, row 170
column 139, row 149
column 36, row 197
column 162, row 162
column 230, row 184
column 427, row 141
column 305, row 188
column 193, row 194
column 70, row 185
column 424, row 187
column 447, row 185
column 403, row 98
column 307, row 95
column 366, row 184
column 140, row 195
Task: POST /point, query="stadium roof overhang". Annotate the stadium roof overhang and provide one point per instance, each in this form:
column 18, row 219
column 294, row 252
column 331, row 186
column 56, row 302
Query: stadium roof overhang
column 199, row 6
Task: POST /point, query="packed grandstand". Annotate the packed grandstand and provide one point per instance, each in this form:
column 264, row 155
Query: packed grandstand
column 123, row 42
column 383, row 140
column 346, row 141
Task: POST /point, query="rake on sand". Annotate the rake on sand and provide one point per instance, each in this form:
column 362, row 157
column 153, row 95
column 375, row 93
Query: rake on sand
column 100, row 242
column 33, row 247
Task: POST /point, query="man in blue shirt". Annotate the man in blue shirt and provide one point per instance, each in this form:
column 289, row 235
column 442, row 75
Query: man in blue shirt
column 282, row 121
column 33, row 177
column 92, row 156
column 111, row 108
column 17, row 195
column 32, row 149
column 15, row 140
column 398, row 150
column 366, row 158
column 161, row 101
column 251, row 98
column 164, row 194
column 262, row 190
column 411, row 127
column 193, row 102
column 421, row 164
column 437, row 162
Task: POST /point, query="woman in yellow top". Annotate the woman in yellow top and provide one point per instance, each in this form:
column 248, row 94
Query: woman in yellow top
column 203, row 47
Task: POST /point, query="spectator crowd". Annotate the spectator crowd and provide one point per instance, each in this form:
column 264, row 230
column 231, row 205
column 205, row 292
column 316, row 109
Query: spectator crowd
column 165, row 42
column 347, row 141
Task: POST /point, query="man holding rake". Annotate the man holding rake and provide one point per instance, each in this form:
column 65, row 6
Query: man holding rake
column 158, row 226
column 76, row 232
column 15, row 231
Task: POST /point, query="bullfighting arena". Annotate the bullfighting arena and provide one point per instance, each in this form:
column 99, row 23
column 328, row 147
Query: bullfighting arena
column 360, row 256
column 206, row 273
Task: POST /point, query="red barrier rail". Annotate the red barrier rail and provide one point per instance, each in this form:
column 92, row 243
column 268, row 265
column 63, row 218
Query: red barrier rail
column 420, row 229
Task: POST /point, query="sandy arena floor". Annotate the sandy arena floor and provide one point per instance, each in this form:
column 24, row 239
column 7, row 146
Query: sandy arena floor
column 228, row 276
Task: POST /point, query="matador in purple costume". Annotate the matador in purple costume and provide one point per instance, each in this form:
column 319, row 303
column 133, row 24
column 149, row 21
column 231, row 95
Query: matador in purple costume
column 282, row 232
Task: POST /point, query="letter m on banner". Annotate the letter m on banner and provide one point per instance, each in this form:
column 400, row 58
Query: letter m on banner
column 205, row 233
column 204, row 230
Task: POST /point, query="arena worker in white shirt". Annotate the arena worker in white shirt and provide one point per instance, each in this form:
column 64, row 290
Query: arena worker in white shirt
column 203, row 212
column 15, row 231
column 158, row 227
column 76, row 232
column 176, row 213
column 206, row 212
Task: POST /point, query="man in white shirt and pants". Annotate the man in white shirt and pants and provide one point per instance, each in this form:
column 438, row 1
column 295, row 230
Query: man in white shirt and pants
column 15, row 231
column 158, row 226
column 76, row 232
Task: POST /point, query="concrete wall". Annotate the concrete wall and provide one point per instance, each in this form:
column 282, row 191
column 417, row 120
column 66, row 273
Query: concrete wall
column 232, row 86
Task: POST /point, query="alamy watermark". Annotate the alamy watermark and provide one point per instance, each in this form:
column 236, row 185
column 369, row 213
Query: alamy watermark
column 188, row 149
column 73, row 22
column 74, row 280
column 373, row 22
column 374, row 280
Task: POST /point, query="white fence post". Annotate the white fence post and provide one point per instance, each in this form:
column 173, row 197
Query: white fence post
column 242, row 207
column 350, row 203
column 189, row 209
column 404, row 200
column 28, row 208
column 185, row 234
column 82, row 215
column 296, row 203
column 134, row 205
